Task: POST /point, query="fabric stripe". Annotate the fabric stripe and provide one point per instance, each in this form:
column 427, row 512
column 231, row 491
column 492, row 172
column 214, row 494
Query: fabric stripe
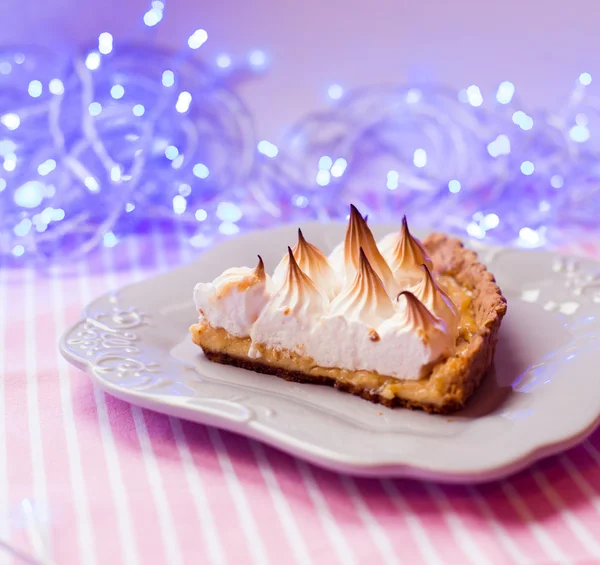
column 165, row 519
column 290, row 527
column 87, row 548
column 343, row 552
column 40, row 491
column 310, row 520
column 5, row 529
column 380, row 538
column 424, row 542
column 504, row 538
column 551, row 550
column 210, row 533
column 253, row 539
column 579, row 531
column 470, row 549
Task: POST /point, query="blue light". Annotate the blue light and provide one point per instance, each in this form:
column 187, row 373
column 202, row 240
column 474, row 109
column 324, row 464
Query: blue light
column 183, row 102
column 18, row 250
column 500, row 146
column 171, row 152
column 109, row 239
column 29, row 195
column 323, row 178
column 420, row 158
column 92, row 61
column 105, row 43
column 46, row 167
column 185, row 189
column 153, row 16
column 117, row 91
column 11, row 121
column 201, row 214
column 138, row 110
column 338, row 168
column 579, row 134
column 257, row 58
column 179, row 204
column 335, row 91
column 23, row 227
column 228, row 211
column 95, row 108
column 392, row 180
column 413, row 96
column 228, row 228
column 585, row 79
column 524, row 121
column 200, row 170
column 557, row 181
column 527, row 168
column 35, row 89
column 454, row 186
column 223, row 61
column 197, row 39
column 325, row 163
column 55, row 86
column 91, row 184
column 267, row 148
column 168, row 78
column 5, row 68
column 505, row 92
column 474, row 96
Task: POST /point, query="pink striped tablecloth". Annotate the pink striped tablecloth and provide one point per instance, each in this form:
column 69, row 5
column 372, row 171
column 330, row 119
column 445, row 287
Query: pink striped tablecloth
column 88, row 479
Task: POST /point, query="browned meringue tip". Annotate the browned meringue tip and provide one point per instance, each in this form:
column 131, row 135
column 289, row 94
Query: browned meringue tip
column 301, row 238
column 291, row 256
column 404, row 228
column 366, row 269
column 363, row 261
column 412, row 300
column 259, row 271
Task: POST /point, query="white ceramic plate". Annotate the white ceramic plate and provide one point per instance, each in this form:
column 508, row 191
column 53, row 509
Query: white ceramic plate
column 542, row 396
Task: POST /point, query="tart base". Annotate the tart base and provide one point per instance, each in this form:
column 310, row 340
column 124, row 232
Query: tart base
column 450, row 383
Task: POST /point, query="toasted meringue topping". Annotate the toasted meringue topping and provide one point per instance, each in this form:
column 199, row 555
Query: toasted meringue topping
column 259, row 270
column 235, row 299
column 298, row 292
column 359, row 236
column 436, row 300
column 365, row 299
column 313, row 263
column 406, row 257
column 414, row 314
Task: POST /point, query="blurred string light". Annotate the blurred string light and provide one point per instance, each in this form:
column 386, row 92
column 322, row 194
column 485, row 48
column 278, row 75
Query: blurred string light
column 138, row 104
column 164, row 137
column 335, row 91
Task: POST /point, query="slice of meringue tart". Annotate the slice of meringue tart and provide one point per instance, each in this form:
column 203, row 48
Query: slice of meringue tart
column 400, row 322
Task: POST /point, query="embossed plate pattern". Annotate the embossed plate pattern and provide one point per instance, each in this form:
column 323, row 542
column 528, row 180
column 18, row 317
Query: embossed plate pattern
column 543, row 394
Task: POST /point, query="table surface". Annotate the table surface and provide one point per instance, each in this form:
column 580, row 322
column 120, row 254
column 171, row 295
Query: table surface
column 106, row 482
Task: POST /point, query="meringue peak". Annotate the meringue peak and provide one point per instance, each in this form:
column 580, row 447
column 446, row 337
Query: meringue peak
column 298, row 293
column 365, row 299
column 312, row 262
column 415, row 313
column 359, row 237
column 406, row 257
column 259, row 271
column 436, row 299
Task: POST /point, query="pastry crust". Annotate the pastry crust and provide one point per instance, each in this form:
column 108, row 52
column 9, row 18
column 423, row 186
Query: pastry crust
column 450, row 383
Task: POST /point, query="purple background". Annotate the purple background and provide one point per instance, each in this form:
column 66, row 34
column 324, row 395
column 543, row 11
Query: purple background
column 540, row 46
